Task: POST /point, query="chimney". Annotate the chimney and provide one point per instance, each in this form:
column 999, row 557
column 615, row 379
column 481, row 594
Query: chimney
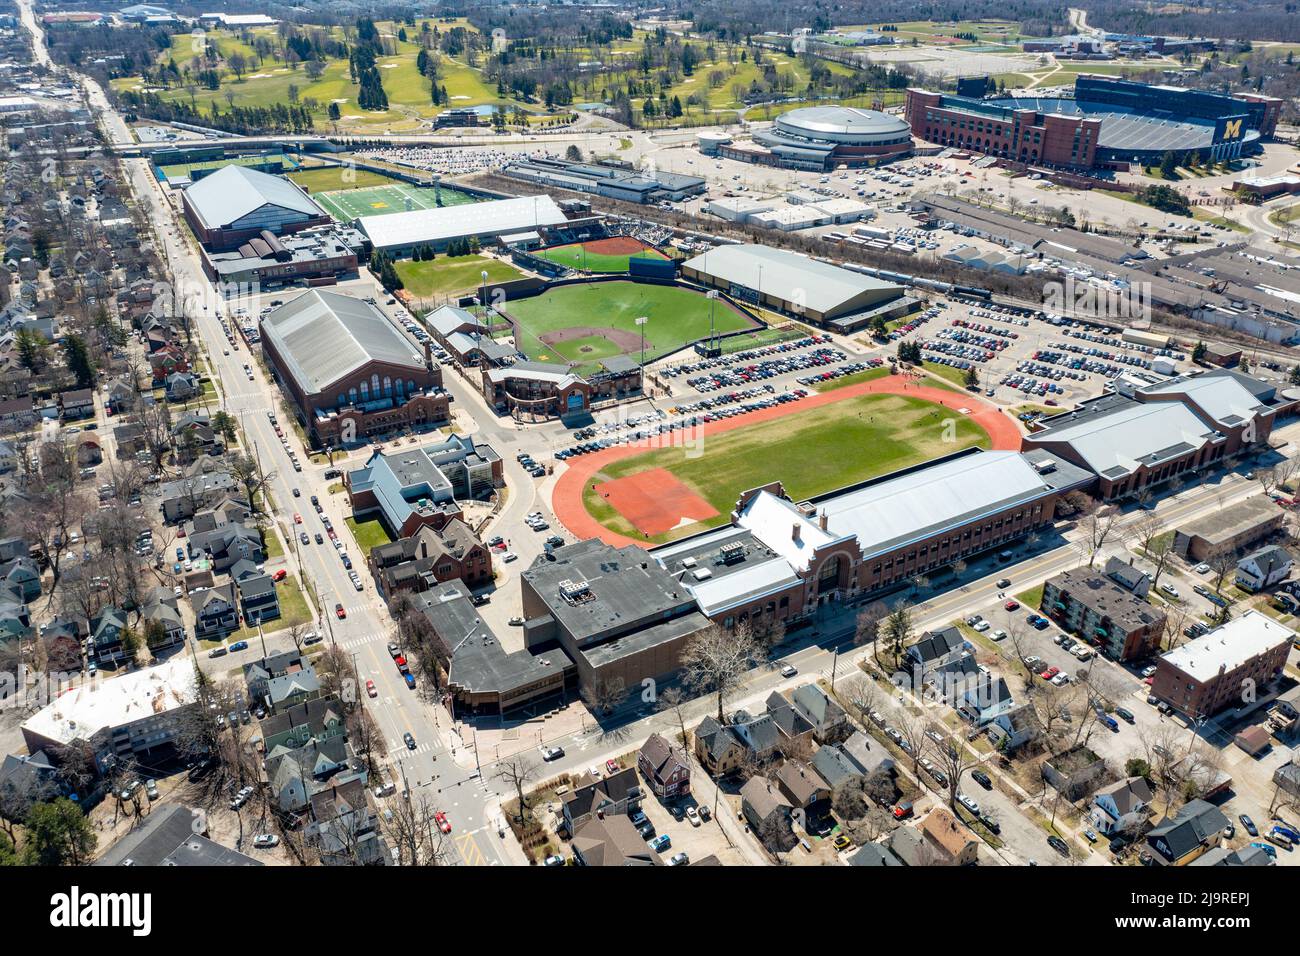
column 428, row 355
column 424, row 548
column 821, row 520
column 794, row 534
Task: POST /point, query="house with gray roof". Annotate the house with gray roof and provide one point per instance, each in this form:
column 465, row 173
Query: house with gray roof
column 827, row 718
column 1264, row 568
column 1179, row 839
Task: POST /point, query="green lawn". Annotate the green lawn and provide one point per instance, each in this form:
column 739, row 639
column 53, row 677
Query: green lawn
column 293, row 610
column 855, row 379
column 448, row 274
column 954, row 375
column 387, row 198
column 811, row 452
column 574, row 256
column 368, row 534
column 332, row 178
column 676, row 317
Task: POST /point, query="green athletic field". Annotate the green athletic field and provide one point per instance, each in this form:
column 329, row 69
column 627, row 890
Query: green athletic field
column 574, row 256
column 319, row 179
column 676, row 317
column 447, row 274
column 185, row 170
column 811, row 452
column 348, row 204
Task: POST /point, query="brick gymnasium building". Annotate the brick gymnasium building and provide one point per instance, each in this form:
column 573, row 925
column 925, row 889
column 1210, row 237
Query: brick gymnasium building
column 1109, row 122
column 778, row 560
column 348, row 370
column 235, row 205
column 1164, row 431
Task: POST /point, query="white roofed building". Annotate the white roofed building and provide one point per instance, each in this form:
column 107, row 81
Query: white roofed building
column 136, row 716
column 236, row 204
column 400, row 232
column 1232, row 667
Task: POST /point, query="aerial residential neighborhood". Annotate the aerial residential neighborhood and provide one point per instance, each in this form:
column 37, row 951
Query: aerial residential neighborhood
column 589, row 434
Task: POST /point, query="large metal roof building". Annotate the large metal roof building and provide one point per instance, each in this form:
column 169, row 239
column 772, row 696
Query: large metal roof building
column 236, row 203
column 399, row 233
column 789, row 281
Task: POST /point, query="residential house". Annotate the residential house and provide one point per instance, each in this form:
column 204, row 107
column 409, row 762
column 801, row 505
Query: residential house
column 828, row 719
column 1121, row 807
column 167, row 360
column 612, row 841
column 163, row 625
column 258, row 600
column 294, row 776
column 343, row 829
column 215, row 612
column 108, row 632
column 429, row 557
column 989, row 699
column 294, row 687
column 259, row 673
column 15, row 618
column 181, row 386
column 803, row 787
column 130, row 440
column 873, row 854
column 792, row 729
column 23, row 577
column 1263, row 568
column 868, row 754
column 295, row 726
column 1016, row 727
column 26, row 779
column 119, row 396
column 932, row 650
column 911, row 848
column 1196, row 828
column 76, row 404
column 227, row 545
column 665, row 768
column 949, row 839
column 615, row 794
column 717, row 749
column 762, row 736
column 1128, row 576
column 767, row 812
column 17, row 413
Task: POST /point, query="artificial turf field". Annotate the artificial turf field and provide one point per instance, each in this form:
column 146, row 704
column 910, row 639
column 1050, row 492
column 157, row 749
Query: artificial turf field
column 348, row 204
column 319, row 179
column 811, row 452
column 586, row 257
column 585, row 322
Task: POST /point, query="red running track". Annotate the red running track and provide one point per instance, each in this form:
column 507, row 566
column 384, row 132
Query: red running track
column 566, row 499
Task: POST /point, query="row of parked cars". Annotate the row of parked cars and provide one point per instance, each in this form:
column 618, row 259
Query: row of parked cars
column 689, row 368
column 989, row 343
column 738, row 375
column 851, row 368
column 1030, row 385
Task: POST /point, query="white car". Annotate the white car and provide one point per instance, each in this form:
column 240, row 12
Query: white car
column 1169, row 589
column 693, row 816
column 1202, row 568
column 789, row 670
column 265, row 841
column 509, row 556
column 1061, row 679
column 982, row 626
column 998, row 635
column 1082, row 653
column 968, row 803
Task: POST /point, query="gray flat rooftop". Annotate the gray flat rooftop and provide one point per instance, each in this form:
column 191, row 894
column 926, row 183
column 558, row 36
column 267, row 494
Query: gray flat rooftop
column 1227, row 524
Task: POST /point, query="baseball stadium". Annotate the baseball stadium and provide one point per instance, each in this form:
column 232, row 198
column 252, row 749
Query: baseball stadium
column 582, row 323
column 606, row 255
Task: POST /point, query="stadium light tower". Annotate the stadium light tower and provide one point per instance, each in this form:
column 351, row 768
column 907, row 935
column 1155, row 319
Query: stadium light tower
column 482, row 299
column 641, row 320
column 713, row 332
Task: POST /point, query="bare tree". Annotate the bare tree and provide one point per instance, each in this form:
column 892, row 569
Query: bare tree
column 411, row 829
column 716, row 660
column 605, row 695
column 1097, row 526
column 674, row 700
column 518, row 772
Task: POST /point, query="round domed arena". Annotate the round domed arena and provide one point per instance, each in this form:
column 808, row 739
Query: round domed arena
column 836, row 135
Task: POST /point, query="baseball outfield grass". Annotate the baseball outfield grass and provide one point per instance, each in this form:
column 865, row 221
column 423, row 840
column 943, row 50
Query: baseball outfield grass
column 811, row 452
column 575, row 256
column 589, row 321
column 447, row 274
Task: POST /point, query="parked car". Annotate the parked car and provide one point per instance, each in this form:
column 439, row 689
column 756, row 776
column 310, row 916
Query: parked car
column 660, row 843
column 265, row 841
column 552, row 753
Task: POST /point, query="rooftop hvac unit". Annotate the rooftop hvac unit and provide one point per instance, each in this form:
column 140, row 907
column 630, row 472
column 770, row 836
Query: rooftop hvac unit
column 573, row 590
column 702, row 574
column 1044, row 467
column 688, row 562
column 733, row 552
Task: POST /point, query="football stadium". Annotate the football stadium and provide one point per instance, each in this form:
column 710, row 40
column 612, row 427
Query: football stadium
column 1108, row 122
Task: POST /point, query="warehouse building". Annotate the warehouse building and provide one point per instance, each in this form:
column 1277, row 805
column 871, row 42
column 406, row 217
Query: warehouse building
column 612, row 178
column 399, row 233
column 1230, row 530
column 347, row 369
column 798, row 285
column 236, row 204
column 315, row 256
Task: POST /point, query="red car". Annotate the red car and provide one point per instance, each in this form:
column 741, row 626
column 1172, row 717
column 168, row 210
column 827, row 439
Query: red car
column 370, row 689
column 1011, row 605
column 297, row 518
column 400, row 660
column 340, row 612
column 902, row 811
column 440, row 818
column 280, row 575
column 1050, row 673
column 611, row 766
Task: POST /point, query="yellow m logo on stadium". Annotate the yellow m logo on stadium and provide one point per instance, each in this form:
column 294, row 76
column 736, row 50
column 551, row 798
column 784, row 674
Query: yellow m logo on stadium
column 1232, row 129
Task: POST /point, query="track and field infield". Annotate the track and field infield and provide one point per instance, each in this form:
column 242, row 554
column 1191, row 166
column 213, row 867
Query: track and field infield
column 348, row 204
column 654, row 501
column 580, row 324
column 817, row 445
column 600, row 255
